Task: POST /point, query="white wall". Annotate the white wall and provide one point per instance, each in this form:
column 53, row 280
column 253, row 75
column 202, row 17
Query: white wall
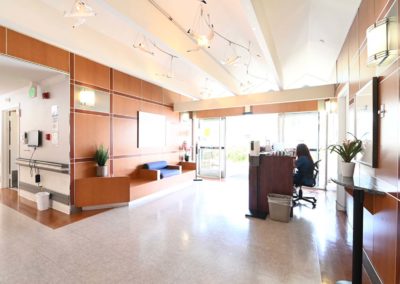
column 35, row 114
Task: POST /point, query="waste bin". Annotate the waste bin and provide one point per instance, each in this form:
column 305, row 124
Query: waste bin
column 279, row 207
column 42, row 200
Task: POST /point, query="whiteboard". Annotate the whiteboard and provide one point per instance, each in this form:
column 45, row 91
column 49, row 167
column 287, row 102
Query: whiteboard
column 152, row 131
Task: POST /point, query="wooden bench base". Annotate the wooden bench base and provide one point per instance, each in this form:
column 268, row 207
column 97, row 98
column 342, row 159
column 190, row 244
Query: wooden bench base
column 142, row 187
column 106, row 191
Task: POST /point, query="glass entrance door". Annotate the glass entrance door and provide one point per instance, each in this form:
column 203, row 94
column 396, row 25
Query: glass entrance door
column 211, row 143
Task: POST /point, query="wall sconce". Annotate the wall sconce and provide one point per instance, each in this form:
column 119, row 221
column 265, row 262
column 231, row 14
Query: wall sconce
column 87, row 98
column 248, row 109
column 185, row 116
column 382, row 41
column 330, row 106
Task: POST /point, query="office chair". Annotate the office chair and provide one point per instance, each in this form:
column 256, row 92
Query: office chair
column 297, row 196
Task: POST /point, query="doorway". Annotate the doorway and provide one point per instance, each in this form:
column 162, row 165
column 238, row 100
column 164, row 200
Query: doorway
column 211, row 147
column 10, row 148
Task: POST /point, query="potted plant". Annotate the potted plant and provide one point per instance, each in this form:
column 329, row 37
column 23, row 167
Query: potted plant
column 101, row 157
column 186, row 148
column 347, row 151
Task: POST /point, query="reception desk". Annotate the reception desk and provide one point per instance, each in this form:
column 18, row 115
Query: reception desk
column 268, row 174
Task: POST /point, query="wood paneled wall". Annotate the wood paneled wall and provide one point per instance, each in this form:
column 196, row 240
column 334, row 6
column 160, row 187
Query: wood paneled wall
column 259, row 109
column 117, row 130
column 381, row 229
column 33, row 50
column 2, row 40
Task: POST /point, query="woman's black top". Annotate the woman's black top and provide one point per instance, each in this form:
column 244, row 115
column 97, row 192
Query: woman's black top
column 305, row 172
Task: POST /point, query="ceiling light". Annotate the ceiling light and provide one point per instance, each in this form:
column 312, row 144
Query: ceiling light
column 232, row 58
column 202, row 30
column 381, row 41
column 170, row 73
column 142, row 44
column 80, row 9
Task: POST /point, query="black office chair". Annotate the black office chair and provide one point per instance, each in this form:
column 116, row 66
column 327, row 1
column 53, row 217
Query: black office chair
column 297, row 196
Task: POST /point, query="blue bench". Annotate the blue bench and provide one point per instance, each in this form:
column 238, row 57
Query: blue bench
column 159, row 170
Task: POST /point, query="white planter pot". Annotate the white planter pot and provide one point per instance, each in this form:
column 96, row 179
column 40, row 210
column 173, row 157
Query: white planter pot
column 348, row 169
column 101, row 171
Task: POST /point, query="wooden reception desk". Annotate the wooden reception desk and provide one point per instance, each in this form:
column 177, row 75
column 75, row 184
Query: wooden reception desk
column 268, row 174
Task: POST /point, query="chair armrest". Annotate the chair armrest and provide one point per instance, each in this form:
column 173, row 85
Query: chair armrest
column 149, row 174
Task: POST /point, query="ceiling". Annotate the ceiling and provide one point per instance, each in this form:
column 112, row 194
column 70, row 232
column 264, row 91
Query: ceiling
column 16, row 74
column 282, row 44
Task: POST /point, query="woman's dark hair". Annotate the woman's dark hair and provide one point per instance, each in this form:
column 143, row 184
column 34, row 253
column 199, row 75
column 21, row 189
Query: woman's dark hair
column 302, row 150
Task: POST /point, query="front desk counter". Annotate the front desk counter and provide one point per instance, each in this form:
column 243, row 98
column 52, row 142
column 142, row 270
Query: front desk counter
column 359, row 185
column 268, row 174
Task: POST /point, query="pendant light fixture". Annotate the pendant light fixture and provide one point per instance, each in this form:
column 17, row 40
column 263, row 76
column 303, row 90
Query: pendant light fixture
column 80, row 10
column 202, row 31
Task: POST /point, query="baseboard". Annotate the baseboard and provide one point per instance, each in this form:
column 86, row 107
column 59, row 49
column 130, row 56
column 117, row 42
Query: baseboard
column 370, row 269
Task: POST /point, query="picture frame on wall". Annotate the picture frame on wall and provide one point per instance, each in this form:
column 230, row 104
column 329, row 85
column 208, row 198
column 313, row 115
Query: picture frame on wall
column 366, row 116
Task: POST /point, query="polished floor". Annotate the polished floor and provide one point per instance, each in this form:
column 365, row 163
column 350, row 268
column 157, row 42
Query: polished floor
column 51, row 218
column 196, row 235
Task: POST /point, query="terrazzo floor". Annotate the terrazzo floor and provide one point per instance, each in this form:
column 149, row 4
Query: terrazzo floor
column 195, row 235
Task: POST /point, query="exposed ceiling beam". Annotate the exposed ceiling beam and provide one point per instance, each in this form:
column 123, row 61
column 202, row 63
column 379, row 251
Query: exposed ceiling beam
column 258, row 20
column 286, row 96
column 179, row 42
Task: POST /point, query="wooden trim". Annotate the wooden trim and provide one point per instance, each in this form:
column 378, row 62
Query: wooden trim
column 33, row 50
column 143, row 155
column 91, row 112
column 142, row 99
column 72, row 183
column 124, row 116
column 3, row 39
column 81, row 160
column 111, row 123
column 94, row 87
column 71, row 66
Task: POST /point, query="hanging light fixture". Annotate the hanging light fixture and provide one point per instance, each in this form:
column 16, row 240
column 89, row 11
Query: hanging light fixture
column 80, row 10
column 232, row 58
column 382, row 41
column 142, row 44
column 202, row 31
column 170, row 74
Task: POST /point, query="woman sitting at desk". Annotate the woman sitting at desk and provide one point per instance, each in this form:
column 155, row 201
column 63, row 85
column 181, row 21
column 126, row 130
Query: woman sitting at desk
column 304, row 165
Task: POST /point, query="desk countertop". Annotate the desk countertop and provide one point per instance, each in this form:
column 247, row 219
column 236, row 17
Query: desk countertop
column 366, row 183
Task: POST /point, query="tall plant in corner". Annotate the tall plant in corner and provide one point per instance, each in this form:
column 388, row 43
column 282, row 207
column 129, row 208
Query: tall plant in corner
column 101, row 157
column 348, row 150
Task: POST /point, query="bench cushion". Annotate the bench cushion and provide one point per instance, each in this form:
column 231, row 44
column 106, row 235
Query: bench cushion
column 168, row 172
column 155, row 165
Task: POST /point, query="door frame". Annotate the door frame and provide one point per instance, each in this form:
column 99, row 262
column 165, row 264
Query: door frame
column 5, row 143
column 221, row 146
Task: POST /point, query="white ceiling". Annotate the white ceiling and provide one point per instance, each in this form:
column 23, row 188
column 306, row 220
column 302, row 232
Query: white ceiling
column 293, row 43
column 16, row 74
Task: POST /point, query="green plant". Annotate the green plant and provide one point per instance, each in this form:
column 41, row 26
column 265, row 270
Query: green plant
column 348, row 149
column 101, row 156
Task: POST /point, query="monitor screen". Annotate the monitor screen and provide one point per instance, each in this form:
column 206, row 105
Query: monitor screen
column 34, row 138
